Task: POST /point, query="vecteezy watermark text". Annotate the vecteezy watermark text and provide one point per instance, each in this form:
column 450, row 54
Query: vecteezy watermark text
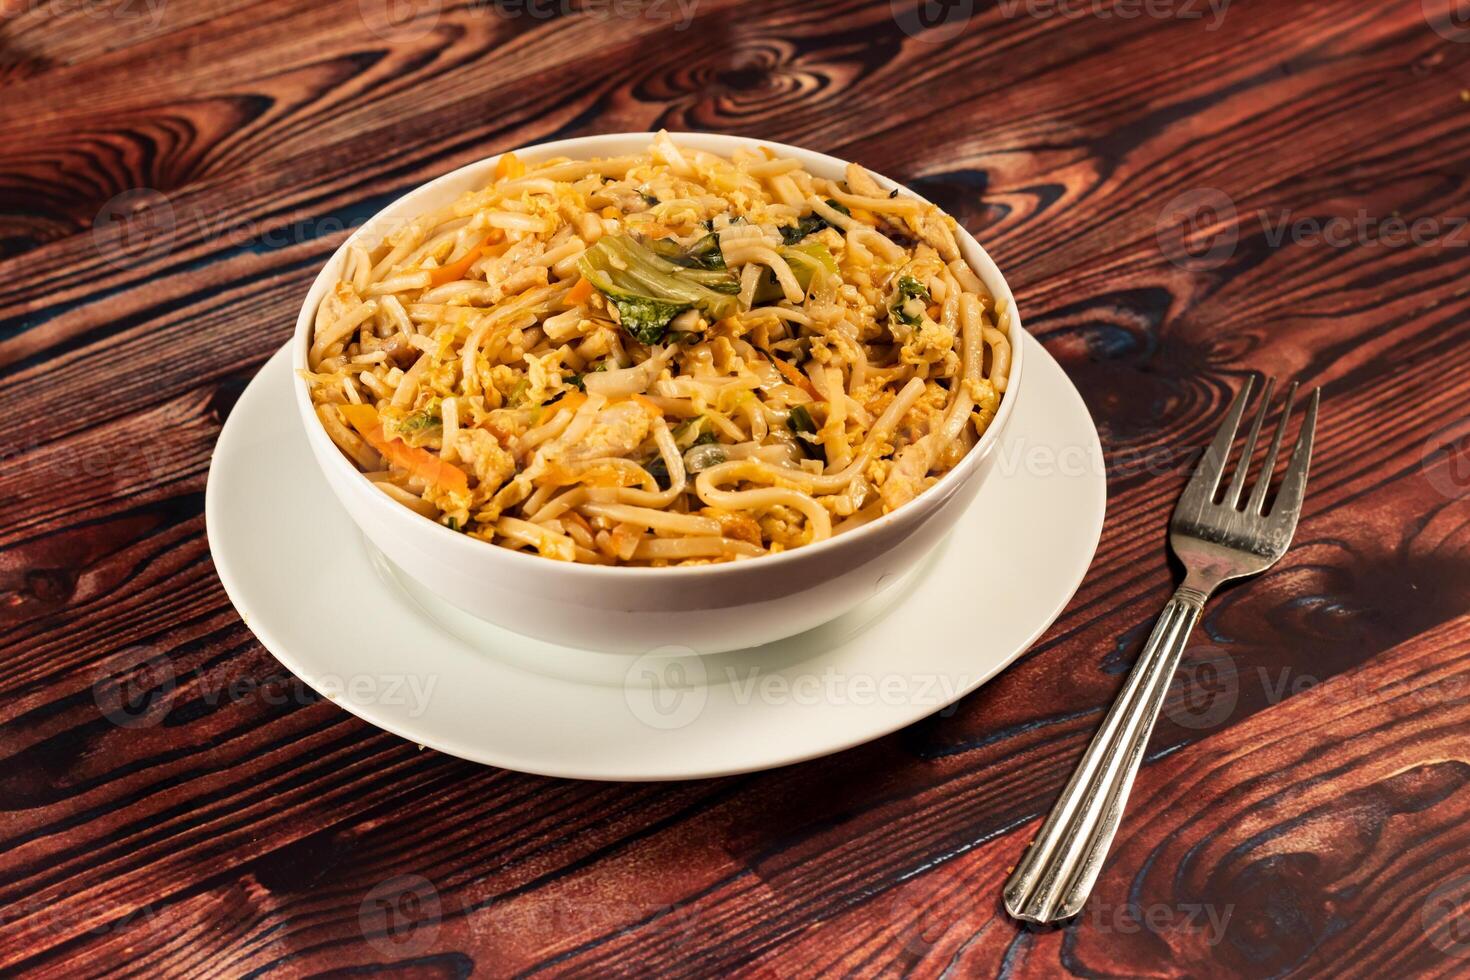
column 668, row 688
column 137, row 687
column 142, row 224
column 146, row 12
column 1213, row 10
column 402, row 21
column 1159, row 919
column 1210, row 681
column 1200, row 229
column 680, row 13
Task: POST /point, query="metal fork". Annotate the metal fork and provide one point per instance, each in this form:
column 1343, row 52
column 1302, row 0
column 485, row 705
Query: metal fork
column 1216, row 542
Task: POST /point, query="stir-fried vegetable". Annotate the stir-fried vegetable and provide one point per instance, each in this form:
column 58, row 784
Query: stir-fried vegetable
column 580, row 293
column 804, row 261
column 810, row 224
column 793, row 375
column 509, row 166
column 801, row 424
column 419, row 463
column 909, row 300
column 456, row 270
column 659, row 470
column 412, row 427
column 693, row 462
column 701, row 456
column 645, row 319
column 702, row 254
column 648, row 290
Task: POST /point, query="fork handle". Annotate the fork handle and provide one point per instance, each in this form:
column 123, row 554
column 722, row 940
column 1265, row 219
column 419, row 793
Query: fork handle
column 1058, row 870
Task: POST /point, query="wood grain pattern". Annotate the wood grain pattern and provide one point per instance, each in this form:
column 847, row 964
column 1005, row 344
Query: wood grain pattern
column 1156, row 188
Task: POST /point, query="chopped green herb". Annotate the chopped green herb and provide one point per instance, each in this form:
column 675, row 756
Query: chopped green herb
column 425, row 418
column 452, row 523
column 800, row 422
column 909, row 289
column 659, row 471
column 804, row 260
column 810, row 224
column 702, row 254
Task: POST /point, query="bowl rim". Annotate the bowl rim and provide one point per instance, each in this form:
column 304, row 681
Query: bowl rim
column 587, row 145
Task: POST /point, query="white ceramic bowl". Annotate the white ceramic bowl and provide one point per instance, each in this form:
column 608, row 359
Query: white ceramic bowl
column 704, row 608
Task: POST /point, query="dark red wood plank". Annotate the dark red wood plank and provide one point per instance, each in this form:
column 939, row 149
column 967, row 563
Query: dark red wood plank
column 1156, row 188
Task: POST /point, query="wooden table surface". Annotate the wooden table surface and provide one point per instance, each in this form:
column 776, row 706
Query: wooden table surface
column 1179, row 194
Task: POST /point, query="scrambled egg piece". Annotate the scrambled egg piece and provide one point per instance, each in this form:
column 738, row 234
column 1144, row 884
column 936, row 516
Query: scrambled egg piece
column 491, row 464
column 928, row 344
column 544, row 375
column 617, row 431
column 785, row 526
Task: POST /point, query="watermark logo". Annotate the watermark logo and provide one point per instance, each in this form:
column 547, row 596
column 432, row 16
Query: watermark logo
column 413, row 692
column 1215, row 10
column 96, row 461
column 400, row 917
column 400, row 20
column 1450, row 19
column 932, row 21
column 135, row 687
column 1207, row 920
column 1205, row 690
column 1445, row 917
column 680, row 13
column 1363, row 229
column 835, row 688
column 132, row 227
column 667, row 688
column 1198, row 230
column 95, row 917
column 149, row 13
column 1445, row 459
column 143, row 223
column 1209, row 682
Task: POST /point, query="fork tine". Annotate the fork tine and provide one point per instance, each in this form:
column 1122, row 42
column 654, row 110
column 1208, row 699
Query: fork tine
column 1206, row 479
column 1237, row 482
column 1287, row 506
column 1263, row 482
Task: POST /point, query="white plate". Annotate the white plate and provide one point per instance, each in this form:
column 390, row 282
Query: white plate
column 341, row 619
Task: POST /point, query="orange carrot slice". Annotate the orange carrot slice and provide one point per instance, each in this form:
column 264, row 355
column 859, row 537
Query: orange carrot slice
column 419, row 463
column 581, row 292
column 797, row 378
column 509, row 166
column 456, row 270
column 653, row 410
